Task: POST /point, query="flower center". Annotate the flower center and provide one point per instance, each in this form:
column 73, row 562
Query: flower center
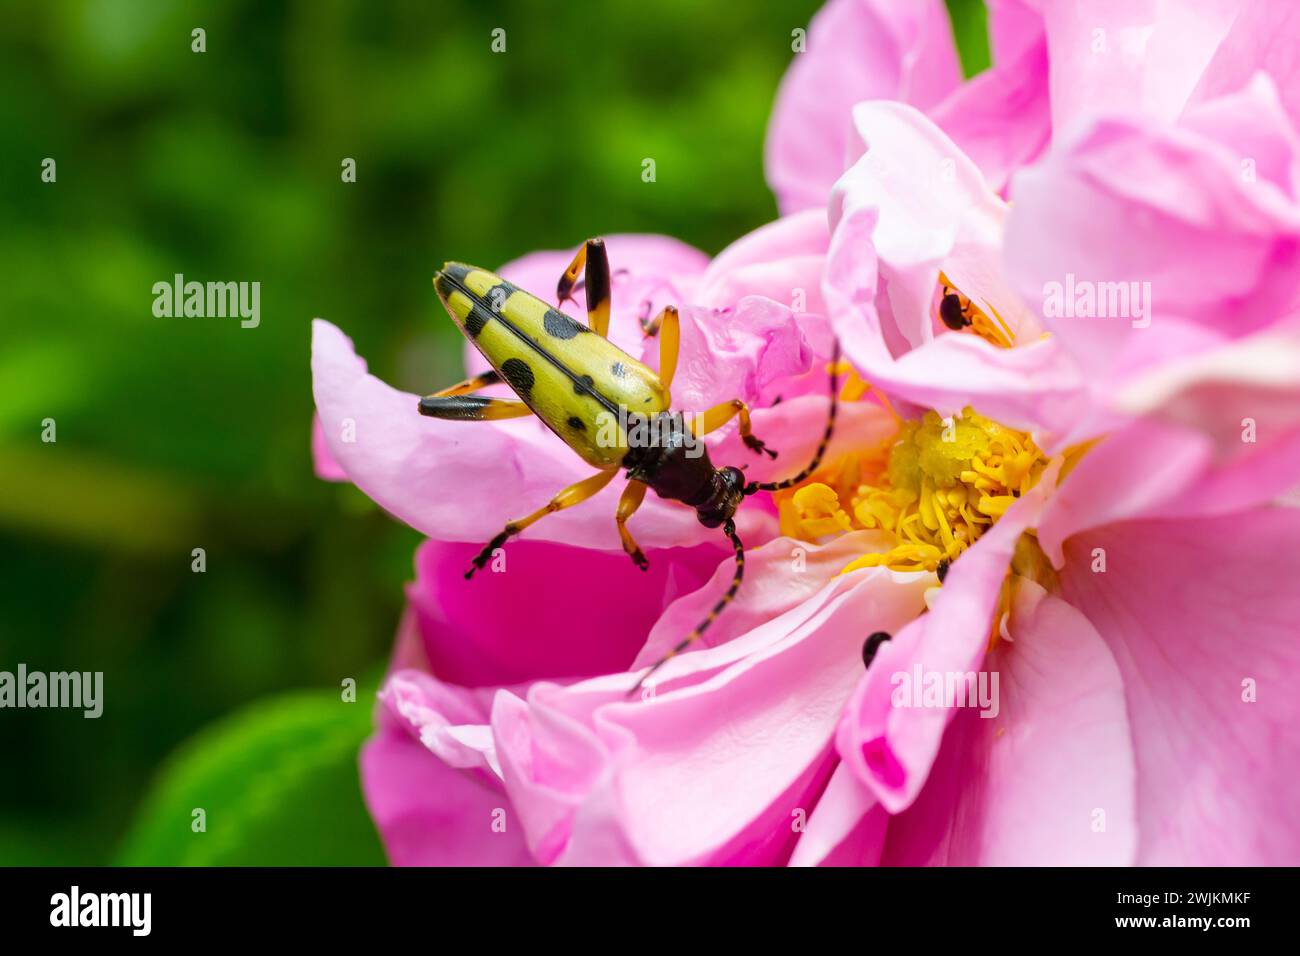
column 935, row 487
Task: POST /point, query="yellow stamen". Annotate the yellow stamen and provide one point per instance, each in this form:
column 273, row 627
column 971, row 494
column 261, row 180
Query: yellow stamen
column 936, row 486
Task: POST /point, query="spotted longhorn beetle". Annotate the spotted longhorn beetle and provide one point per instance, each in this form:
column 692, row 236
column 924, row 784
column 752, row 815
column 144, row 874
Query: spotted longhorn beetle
column 571, row 376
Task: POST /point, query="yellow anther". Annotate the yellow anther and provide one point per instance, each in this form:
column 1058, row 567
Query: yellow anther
column 935, row 486
column 819, row 511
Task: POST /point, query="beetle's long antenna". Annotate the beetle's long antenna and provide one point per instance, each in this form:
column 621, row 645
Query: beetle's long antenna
column 756, row 486
column 730, row 530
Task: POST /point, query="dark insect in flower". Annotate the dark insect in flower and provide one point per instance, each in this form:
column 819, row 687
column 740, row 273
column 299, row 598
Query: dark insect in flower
column 872, row 645
column 952, row 313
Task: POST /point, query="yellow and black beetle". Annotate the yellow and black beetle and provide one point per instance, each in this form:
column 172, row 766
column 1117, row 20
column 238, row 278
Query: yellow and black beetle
column 578, row 382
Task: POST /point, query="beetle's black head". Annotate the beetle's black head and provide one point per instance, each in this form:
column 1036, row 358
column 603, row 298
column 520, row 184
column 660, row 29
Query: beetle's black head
column 726, row 492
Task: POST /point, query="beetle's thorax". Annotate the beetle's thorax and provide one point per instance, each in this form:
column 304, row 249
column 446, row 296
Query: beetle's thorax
column 675, row 464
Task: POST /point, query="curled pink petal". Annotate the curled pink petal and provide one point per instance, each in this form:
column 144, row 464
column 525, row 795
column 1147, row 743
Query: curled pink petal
column 1046, row 776
column 891, row 748
column 856, row 50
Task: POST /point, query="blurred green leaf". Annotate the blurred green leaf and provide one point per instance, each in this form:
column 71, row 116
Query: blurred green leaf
column 278, row 784
column 970, row 28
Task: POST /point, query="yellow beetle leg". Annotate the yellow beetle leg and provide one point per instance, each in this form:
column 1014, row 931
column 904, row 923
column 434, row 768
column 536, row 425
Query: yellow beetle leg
column 592, row 255
column 564, row 290
column 719, row 415
column 631, row 499
column 667, row 326
column 471, row 384
column 472, row 408
column 570, row 496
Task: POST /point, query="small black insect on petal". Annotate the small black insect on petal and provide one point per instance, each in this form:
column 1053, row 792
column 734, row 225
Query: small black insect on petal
column 950, row 311
column 942, row 570
column 872, row 644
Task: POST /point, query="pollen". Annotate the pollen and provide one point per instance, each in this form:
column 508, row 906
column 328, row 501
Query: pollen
column 934, row 488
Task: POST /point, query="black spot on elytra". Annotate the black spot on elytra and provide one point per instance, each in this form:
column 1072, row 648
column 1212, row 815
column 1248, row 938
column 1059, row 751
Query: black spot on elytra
column 518, row 375
column 560, row 326
column 617, row 370
column 577, row 424
column 474, row 322
column 583, row 386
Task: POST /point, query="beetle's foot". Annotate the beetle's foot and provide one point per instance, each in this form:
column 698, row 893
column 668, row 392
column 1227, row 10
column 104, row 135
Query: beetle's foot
column 483, row 557
column 758, row 447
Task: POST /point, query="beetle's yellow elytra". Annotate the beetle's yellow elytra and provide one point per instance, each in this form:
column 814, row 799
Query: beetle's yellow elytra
column 579, row 383
column 593, row 395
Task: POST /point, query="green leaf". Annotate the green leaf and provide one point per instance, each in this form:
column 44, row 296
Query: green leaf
column 277, row 783
column 970, row 29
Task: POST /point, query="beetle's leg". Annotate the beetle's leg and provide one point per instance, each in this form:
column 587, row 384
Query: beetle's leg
column 719, row 415
column 570, row 496
column 631, row 499
column 472, row 408
column 471, row 384
column 592, row 255
column 667, row 325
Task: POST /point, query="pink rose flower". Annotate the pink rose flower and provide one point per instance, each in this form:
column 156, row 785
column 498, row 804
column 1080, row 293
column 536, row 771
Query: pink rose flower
column 1074, row 512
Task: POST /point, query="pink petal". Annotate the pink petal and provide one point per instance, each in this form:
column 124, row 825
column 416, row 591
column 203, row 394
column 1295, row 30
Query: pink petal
column 322, row 461
column 1015, row 26
column 1192, row 611
column 914, row 205
column 781, row 261
column 1002, row 118
column 847, row 828
column 1130, row 55
column 1261, row 38
column 431, row 474
column 891, row 748
column 779, row 577
column 1049, row 780
column 444, row 717
column 735, row 739
column 430, row 814
column 739, row 353
column 1124, row 201
column 1153, row 469
column 856, row 50
column 1244, row 397
column 588, row 613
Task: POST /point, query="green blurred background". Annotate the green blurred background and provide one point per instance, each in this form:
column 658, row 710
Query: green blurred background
column 222, row 687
